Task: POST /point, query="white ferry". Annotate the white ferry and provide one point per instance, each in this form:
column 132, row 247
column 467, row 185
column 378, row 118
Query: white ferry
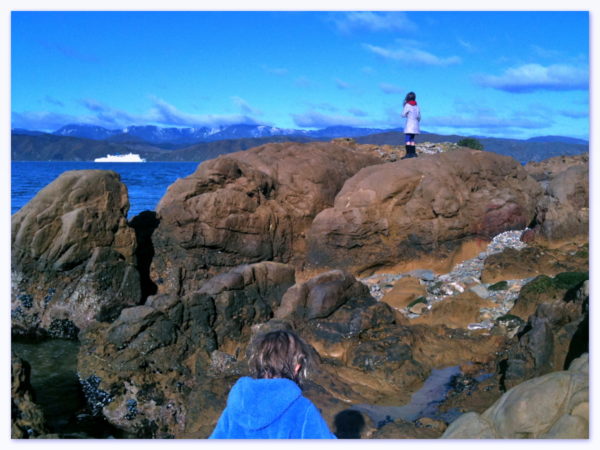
column 129, row 157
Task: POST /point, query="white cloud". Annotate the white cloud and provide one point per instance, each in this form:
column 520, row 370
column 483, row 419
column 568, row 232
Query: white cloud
column 368, row 70
column 324, row 106
column 535, row 77
column 373, row 21
column 545, row 52
column 166, row 114
column 572, row 114
column 161, row 113
column 245, row 107
column 315, row 119
column 303, row 82
column 468, row 46
column 53, row 101
column 389, row 88
column 357, row 112
column 341, row 84
column 412, row 55
column 41, row 120
column 486, row 122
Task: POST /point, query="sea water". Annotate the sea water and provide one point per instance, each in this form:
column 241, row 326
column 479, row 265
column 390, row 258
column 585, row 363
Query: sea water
column 146, row 182
column 57, row 390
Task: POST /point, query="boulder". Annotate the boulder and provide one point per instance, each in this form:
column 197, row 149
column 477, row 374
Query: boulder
column 456, row 311
column 396, row 212
column 247, row 207
column 563, row 211
column 27, row 418
column 534, row 260
column 73, row 255
column 548, row 407
column 544, row 289
column 438, row 346
column 405, row 291
column 554, row 335
column 320, row 296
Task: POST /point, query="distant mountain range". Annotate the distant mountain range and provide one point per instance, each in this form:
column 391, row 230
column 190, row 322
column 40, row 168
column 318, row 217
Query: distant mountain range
column 186, row 136
column 79, row 142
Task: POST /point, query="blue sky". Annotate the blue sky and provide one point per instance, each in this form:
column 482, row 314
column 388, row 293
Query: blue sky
column 505, row 74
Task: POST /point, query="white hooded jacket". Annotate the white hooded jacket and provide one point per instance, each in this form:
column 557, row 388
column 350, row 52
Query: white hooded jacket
column 413, row 117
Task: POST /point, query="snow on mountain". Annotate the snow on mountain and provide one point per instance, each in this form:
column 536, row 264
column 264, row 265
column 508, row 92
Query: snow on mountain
column 179, row 137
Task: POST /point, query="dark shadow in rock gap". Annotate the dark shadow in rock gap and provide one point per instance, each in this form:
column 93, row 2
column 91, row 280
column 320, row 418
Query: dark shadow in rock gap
column 349, row 424
column 144, row 225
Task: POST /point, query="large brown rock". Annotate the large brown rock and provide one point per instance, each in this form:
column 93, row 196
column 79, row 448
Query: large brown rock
column 553, row 406
column 320, row 296
column 247, row 207
column 163, row 369
column 73, row 255
column 564, row 211
column 456, row 311
column 535, row 260
column 405, row 291
column 428, row 205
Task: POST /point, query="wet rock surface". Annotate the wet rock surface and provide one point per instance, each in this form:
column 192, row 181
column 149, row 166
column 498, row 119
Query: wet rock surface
column 27, row 418
column 73, row 256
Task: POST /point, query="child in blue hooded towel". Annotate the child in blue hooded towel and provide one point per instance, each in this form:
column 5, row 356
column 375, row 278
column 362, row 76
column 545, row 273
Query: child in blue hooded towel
column 270, row 405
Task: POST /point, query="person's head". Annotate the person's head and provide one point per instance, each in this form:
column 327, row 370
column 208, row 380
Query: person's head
column 411, row 96
column 279, row 354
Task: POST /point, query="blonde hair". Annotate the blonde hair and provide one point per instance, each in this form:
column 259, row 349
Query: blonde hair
column 280, row 354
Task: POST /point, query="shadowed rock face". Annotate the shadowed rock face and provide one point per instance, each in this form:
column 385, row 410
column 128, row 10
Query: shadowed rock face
column 246, row 207
column 27, row 418
column 395, row 212
column 556, row 332
column 73, row 257
column 163, row 369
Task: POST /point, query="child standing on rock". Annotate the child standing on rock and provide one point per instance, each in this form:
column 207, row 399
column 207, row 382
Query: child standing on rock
column 270, row 405
column 413, row 116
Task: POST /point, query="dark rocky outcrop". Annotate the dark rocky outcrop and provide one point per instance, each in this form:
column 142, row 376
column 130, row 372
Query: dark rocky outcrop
column 428, row 205
column 73, row 255
column 555, row 333
column 27, row 418
column 163, row 369
column 246, row 207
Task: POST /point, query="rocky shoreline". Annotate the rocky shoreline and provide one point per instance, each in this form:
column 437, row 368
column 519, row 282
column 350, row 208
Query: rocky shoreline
column 391, row 269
